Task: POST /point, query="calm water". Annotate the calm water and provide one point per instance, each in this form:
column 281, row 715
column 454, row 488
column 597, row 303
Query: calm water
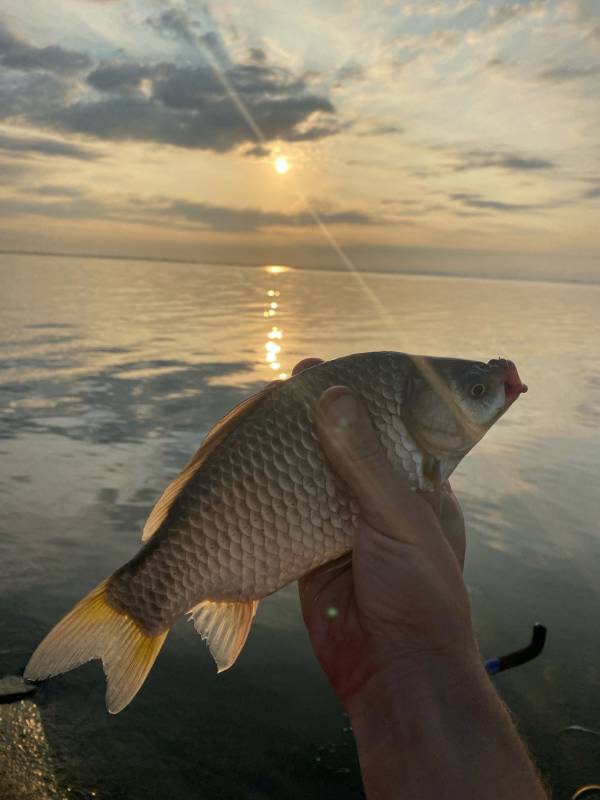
column 111, row 373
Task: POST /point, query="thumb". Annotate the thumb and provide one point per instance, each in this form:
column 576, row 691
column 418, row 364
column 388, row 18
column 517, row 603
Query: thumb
column 355, row 453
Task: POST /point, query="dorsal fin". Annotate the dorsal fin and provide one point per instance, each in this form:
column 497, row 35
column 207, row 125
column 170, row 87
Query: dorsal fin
column 215, row 436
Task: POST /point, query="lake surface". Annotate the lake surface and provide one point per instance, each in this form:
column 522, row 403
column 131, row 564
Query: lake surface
column 111, row 372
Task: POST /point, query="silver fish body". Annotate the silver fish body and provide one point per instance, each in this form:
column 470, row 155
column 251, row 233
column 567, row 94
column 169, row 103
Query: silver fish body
column 265, row 507
column 259, row 506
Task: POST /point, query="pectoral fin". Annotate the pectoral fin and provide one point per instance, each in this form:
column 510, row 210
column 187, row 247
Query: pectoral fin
column 225, row 627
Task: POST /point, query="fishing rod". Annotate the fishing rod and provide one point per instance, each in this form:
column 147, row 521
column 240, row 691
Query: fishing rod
column 501, row 663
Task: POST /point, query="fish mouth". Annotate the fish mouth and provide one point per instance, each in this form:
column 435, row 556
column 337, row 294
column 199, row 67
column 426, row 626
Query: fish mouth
column 513, row 385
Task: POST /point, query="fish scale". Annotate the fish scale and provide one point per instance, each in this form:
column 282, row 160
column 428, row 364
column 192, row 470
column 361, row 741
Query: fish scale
column 268, row 488
column 259, row 506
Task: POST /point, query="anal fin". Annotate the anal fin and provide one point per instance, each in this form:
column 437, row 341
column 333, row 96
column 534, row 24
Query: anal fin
column 225, row 627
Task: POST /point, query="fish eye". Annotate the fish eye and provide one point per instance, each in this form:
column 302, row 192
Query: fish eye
column 478, row 390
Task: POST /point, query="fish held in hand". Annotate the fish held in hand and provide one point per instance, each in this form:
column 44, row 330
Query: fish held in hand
column 258, row 506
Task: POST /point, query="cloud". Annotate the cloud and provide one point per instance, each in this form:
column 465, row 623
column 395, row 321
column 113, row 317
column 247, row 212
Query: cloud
column 79, row 208
column 119, row 77
column 53, row 190
column 174, row 23
column 496, row 63
column 247, row 102
column 192, row 107
column 257, row 55
column 592, row 194
column 62, row 202
column 12, row 171
column 437, row 8
column 565, row 73
column 223, row 218
column 492, row 159
column 25, row 95
column 349, row 72
column 45, row 147
column 503, row 13
column 179, row 25
column 258, row 151
column 382, row 129
column 18, row 54
column 587, row 18
column 477, row 201
column 435, row 42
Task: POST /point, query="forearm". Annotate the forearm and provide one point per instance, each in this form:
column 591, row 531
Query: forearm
column 439, row 731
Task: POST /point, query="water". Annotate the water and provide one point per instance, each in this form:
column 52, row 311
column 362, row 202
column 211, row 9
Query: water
column 112, row 372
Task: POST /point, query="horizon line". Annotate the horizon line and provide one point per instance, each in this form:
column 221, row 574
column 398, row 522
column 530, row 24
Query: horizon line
column 259, row 264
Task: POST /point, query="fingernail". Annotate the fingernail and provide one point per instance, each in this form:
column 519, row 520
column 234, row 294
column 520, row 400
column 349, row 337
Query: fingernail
column 343, row 412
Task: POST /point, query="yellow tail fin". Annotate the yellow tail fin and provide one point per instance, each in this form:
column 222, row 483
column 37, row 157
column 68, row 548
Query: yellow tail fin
column 94, row 629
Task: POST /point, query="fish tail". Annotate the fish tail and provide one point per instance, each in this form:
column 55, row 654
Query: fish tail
column 95, row 629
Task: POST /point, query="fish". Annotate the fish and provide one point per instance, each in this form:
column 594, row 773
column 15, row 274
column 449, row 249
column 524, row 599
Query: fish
column 258, row 506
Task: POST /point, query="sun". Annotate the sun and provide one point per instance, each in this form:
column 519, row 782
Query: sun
column 281, row 165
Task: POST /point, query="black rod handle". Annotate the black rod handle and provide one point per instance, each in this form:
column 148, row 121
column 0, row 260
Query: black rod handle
column 510, row 660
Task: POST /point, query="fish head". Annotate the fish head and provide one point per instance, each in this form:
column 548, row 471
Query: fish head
column 454, row 402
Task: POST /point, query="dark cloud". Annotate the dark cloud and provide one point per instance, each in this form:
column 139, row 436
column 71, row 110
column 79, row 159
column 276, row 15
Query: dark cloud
column 18, row 54
column 493, row 159
column 71, row 203
column 45, row 147
column 566, row 73
column 223, row 218
column 479, row 202
column 213, row 43
column 59, row 201
column 592, row 194
column 174, row 23
column 25, row 95
column 179, row 25
column 257, row 55
column 119, row 77
column 191, row 107
column 258, row 152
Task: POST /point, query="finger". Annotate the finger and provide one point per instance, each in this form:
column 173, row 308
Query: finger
column 354, row 451
column 450, row 516
column 316, row 589
column 453, row 525
column 306, row 363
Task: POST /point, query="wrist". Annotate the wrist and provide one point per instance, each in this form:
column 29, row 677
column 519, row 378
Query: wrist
column 435, row 727
column 404, row 679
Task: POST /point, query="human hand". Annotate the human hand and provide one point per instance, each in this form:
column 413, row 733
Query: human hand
column 402, row 600
column 393, row 632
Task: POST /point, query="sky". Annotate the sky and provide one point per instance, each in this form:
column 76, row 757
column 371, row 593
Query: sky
column 443, row 135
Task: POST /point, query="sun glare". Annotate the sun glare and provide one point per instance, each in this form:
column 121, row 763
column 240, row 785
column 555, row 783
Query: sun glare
column 275, row 269
column 281, row 165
